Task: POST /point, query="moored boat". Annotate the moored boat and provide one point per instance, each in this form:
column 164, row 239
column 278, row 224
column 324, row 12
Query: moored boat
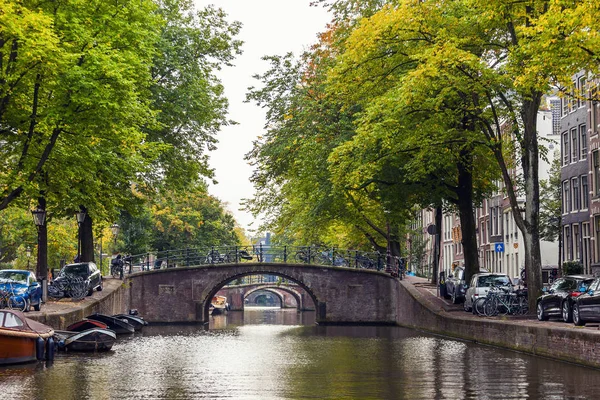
column 86, row 324
column 94, row 339
column 22, row 339
column 137, row 322
column 218, row 305
column 114, row 324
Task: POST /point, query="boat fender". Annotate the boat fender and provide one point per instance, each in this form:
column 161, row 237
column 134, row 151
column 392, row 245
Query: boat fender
column 50, row 349
column 39, row 348
column 61, row 344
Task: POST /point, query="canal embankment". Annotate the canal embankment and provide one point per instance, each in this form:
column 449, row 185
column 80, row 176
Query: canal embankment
column 113, row 299
column 420, row 308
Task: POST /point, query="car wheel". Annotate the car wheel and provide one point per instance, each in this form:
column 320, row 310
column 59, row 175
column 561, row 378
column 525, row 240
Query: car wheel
column 566, row 312
column 101, row 286
column 541, row 315
column 466, row 307
column 576, row 317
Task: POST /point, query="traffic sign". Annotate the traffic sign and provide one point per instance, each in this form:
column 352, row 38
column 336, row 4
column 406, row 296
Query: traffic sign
column 499, row 247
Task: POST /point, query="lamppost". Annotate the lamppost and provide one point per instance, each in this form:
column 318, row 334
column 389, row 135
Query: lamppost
column 28, row 252
column 80, row 218
column 41, row 270
column 115, row 228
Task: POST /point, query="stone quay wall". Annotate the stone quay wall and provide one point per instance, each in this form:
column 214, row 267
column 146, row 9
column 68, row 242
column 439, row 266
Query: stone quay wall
column 421, row 311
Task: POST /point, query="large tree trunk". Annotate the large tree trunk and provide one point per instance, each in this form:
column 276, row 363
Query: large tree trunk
column 467, row 215
column 87, row 238
column 531, row 234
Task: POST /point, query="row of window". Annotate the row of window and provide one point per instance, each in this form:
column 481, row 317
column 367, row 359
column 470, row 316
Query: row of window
column 574, row 100
column 574, row 144
column 575, row 194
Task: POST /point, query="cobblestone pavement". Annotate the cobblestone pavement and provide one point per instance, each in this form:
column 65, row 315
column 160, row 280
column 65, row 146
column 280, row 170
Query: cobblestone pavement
column 424, row 286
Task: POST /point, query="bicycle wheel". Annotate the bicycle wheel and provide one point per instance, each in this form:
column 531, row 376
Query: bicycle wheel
column 55, row 292
column 478, row 306
column 490, row 307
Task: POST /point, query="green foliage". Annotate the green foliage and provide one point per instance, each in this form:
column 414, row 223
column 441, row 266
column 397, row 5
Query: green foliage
column 572, row 268
column 550, row 202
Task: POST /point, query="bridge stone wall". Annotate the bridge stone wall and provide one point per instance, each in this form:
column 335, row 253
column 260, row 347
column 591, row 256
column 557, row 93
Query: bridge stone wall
column 341, row 295
column 293, row 296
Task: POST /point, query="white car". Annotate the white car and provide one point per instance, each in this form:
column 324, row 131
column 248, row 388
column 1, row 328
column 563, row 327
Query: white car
column 480, row 285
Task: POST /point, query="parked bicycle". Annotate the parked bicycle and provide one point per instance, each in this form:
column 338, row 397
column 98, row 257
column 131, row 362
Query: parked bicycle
column 500, row 300
column 71, row 286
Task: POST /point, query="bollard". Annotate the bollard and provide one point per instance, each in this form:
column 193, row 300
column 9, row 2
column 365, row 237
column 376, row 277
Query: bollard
column 50, row 349
column 39, row 348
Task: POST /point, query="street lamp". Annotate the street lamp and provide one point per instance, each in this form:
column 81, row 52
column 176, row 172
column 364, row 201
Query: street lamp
column 115, row 228
column 80, row 218
column 28, row 253
column 41, row 270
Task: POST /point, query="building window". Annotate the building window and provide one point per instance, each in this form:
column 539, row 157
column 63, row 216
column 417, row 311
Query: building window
column 583, row 141
column 574, row 146
column 568, row 244
column 576, row 243
column 565, row 106
column 596, row 172
column 576, row 206
column 565, row 150
column 582, row 92
column 584, row 192
column 566, row 197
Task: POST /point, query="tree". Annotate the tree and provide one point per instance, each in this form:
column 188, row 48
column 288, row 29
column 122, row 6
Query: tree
column 185, row 93
column 500, row 64
column 68, row 85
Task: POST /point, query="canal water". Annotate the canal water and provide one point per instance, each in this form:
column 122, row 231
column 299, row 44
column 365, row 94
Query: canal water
column 280, row 354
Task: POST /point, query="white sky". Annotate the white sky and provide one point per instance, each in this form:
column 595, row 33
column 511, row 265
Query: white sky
column 270, row 27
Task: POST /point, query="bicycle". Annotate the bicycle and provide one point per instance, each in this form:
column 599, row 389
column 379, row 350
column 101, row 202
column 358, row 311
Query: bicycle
column 72, row 286
column 501, row 301
column 12, row 302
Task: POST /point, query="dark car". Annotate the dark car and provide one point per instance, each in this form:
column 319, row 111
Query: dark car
column 586, row 307
column 86, row 270
column 558, row 300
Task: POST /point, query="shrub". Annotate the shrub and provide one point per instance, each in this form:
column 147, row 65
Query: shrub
column 572, row 268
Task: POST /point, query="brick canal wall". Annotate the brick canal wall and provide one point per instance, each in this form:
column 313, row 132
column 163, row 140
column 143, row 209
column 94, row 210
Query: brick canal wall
column 422, row 311
column 114, row 299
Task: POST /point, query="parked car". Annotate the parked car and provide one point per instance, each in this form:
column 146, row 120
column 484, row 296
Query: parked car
column 586, row 306
column 456, row 286
column 21, row 289
column 86, row 270
column 480, row 285
column 558, row 300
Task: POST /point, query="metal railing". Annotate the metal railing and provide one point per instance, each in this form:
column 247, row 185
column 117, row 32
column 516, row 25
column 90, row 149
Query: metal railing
column 310, row 255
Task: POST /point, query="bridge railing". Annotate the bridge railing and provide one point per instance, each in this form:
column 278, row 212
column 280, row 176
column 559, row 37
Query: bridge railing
column 310, row 255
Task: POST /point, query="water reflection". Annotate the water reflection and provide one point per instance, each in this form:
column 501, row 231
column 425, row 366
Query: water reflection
column 281, row 354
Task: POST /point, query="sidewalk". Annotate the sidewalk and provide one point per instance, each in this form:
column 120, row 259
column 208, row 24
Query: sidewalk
column 53, row 309
column 430, row 292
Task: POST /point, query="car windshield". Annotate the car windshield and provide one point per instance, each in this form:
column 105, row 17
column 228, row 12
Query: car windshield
column 75, row 269
column 493, row 280
column 14, row 276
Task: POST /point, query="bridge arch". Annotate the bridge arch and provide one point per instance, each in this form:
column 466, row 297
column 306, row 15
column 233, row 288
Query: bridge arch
column 221, row 285
column 266, row 292
column 340, row 294
column 274, row 288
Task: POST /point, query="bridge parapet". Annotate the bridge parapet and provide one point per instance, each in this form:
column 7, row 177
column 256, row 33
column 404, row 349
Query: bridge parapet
column 297, row 255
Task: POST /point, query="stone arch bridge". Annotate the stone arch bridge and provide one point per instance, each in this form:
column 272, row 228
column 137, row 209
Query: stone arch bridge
column 290, row 296
column 341, row 295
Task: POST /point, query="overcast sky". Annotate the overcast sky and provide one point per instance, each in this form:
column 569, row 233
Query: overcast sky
column 270, row 27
